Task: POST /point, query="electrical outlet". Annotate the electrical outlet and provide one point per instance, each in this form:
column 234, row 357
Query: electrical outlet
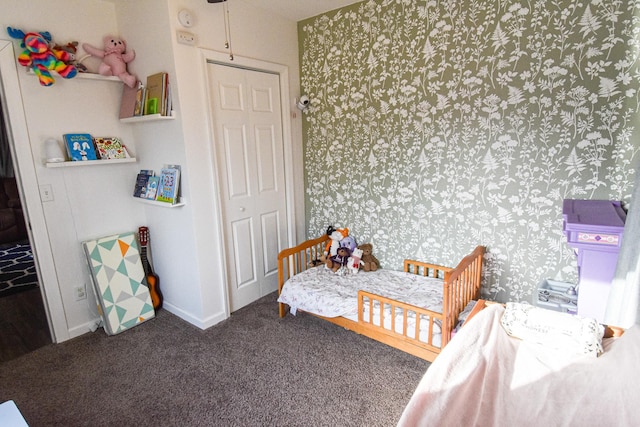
column 46, row 193
column 80, row 292
column 185, row 37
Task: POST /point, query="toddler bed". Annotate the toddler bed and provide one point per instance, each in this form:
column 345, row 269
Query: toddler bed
column 413, row 310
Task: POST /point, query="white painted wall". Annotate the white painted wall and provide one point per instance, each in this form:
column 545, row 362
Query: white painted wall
column 186, row 242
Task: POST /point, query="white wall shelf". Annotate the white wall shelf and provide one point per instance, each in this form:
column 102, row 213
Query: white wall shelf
column 94, row 76
column 147, row 118
column 182, row 202
column 77, row 163
column 87, row 76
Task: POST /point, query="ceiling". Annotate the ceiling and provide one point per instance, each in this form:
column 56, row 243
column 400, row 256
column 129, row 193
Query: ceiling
column 297, row 10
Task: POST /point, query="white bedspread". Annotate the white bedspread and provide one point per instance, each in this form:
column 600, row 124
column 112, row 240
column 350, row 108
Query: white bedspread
column 484, row 377
column 320, row 291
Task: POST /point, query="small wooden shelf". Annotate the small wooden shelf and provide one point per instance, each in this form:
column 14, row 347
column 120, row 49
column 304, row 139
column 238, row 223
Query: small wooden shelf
column 182, row 202
column 72, row 164
column 147, row 118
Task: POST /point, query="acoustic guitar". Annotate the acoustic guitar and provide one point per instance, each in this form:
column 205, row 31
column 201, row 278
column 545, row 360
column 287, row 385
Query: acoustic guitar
column 153, row 281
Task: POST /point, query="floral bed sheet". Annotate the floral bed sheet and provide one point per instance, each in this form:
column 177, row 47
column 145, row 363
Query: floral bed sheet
column 320, row 291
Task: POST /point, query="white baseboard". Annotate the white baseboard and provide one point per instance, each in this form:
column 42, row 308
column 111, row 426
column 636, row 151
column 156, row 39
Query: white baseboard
column 83, row 329
column 200, row 323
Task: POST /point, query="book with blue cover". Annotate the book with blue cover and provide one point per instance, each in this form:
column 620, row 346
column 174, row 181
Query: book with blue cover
column 152, row 187
column 168, row 185
column 80, row 146
column 142, row 182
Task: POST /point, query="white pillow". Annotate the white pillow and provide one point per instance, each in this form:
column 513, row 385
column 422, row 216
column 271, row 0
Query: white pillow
column 553, row 329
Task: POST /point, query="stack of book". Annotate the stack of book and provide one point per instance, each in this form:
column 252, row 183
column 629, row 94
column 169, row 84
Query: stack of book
column 83, row 146
column 152, row 98
column 162, row 188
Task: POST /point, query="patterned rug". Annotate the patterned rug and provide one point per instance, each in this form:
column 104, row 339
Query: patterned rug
column 17, row 269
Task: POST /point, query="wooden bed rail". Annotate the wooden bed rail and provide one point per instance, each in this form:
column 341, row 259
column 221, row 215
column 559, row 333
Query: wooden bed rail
column 425, row 269
column 388, row 313
column 461, row 285
column 294, row 260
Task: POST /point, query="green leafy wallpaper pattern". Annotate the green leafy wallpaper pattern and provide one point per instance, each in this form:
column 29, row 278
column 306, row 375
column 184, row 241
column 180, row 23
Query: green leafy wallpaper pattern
column 436, row 126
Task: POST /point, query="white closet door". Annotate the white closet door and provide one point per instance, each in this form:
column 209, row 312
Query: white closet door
column 249, row 145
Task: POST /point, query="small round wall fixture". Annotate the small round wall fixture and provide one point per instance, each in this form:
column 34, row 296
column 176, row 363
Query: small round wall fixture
column 303, row 103
column 53, row 151
column 185, row 18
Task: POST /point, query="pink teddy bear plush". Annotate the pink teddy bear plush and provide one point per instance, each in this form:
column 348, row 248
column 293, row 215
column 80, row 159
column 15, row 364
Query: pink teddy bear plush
column 114, row 59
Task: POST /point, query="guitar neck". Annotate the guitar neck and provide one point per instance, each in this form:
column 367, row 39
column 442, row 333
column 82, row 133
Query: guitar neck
column 145, row 261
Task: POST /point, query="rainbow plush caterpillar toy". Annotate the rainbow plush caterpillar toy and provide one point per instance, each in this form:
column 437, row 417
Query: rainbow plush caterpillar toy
column 39, row 56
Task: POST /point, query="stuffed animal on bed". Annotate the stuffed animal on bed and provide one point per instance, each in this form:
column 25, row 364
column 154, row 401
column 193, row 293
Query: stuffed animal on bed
column 355, row 261
column 349, row 242
column 339, row 260
column 369, row 261
column 336, row 235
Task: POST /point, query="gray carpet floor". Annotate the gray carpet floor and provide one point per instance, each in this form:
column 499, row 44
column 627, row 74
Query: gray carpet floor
column 253, row 369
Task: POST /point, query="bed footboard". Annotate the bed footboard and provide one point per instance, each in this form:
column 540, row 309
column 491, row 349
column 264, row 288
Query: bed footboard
column 413, row 329
column 461, row 285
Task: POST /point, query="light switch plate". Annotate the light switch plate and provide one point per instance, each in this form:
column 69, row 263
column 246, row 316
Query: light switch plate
column 46, row 193
column 185, row 37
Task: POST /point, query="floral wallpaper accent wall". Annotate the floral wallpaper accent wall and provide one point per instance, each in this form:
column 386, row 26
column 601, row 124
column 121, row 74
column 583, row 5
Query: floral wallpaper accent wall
column 436, row 126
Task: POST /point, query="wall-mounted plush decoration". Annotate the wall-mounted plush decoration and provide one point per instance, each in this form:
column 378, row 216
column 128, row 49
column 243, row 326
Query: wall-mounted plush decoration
column 115, row 58
column 39, row 56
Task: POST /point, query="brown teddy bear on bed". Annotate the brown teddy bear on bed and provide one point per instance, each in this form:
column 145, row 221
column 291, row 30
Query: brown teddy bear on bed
column 369, row 261
column 340, row 259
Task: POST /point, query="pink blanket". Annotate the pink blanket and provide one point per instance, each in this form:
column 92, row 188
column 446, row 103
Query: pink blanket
column 486, row 378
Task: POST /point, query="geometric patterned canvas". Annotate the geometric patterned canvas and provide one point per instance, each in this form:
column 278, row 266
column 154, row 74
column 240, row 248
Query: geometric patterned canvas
column 119, row 282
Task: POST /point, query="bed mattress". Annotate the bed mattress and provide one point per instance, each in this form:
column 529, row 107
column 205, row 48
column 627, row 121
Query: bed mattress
column 322, row 292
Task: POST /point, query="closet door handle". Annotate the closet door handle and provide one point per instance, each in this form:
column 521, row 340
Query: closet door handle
column 242, row 209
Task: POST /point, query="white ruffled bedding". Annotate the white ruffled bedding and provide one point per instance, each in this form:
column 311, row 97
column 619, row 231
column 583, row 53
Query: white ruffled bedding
column 322, row 292
column 484, row 377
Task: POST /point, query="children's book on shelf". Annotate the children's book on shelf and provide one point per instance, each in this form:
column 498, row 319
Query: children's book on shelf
column 140, row 100
column 156, row 94
column 174, row 166
column 169, row 185
column 110, row 147
column 142, row 182
column 80, row 146
column 152, row 187
column 168, row 105
column 128, row 101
